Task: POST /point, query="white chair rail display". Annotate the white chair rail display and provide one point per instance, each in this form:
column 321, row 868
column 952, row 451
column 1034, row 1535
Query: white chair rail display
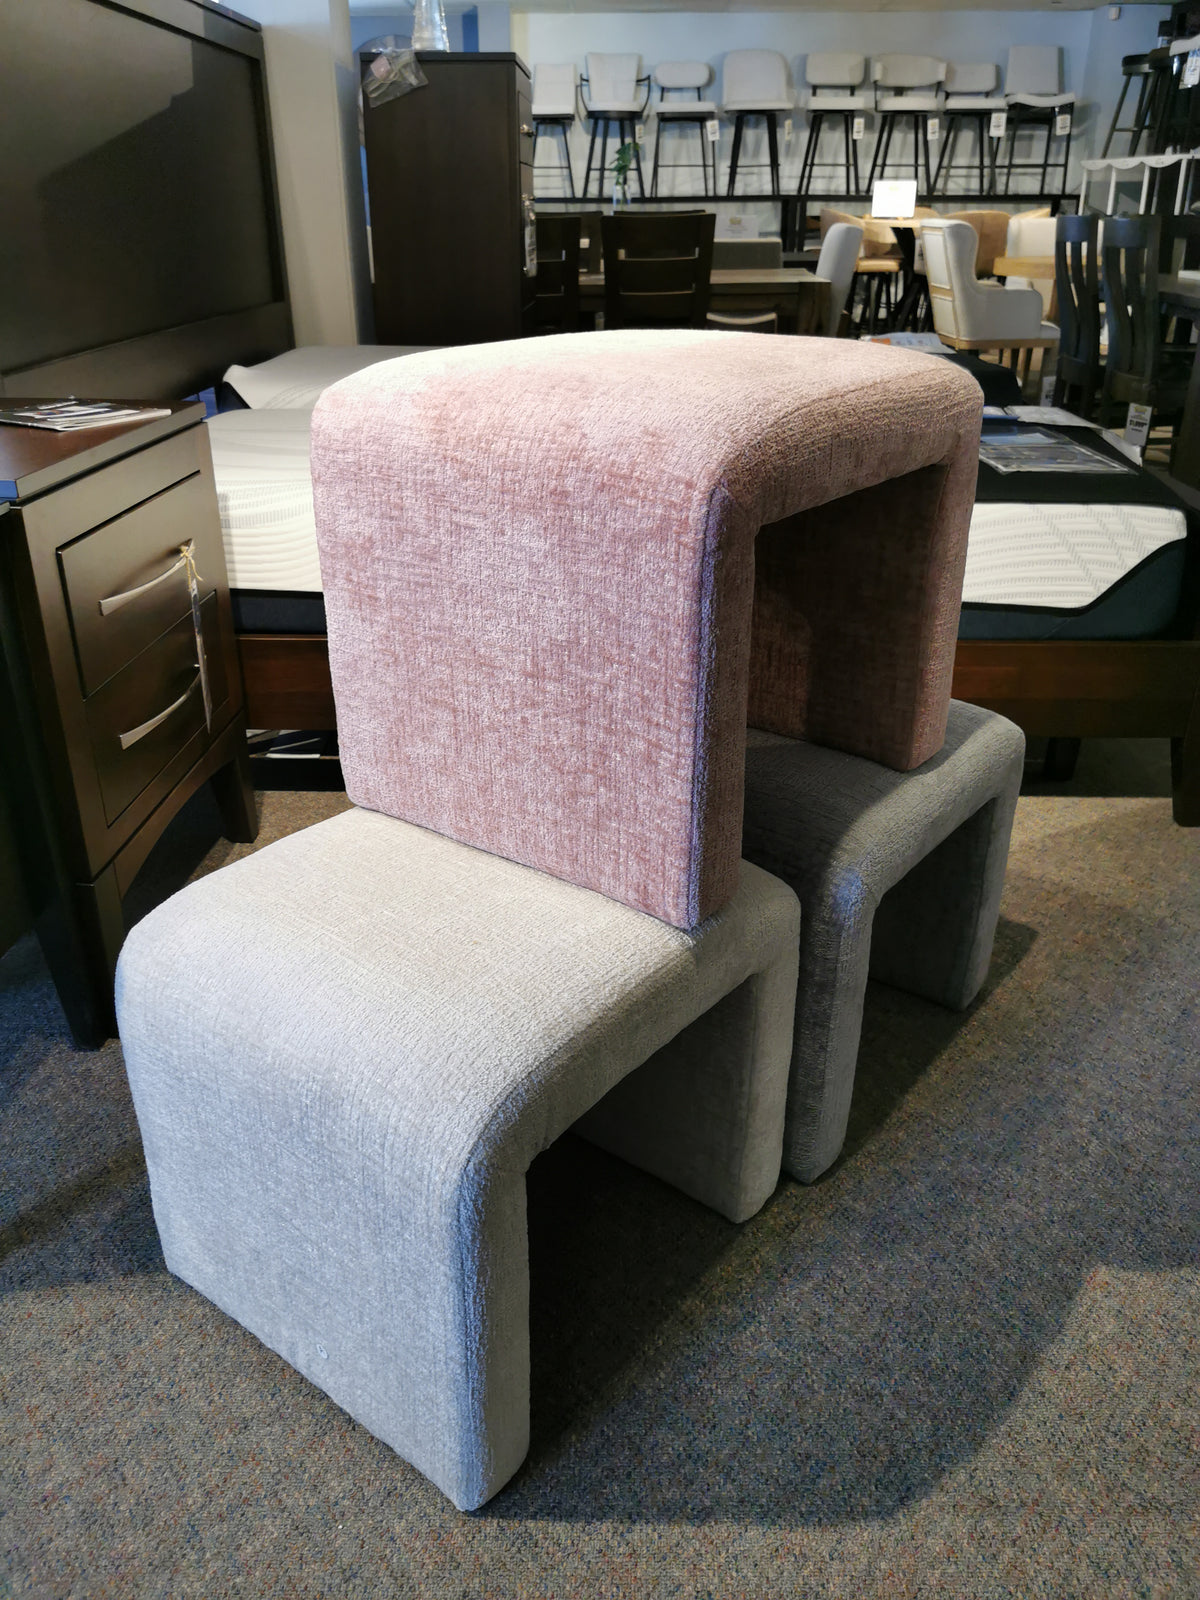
column 1130, row 168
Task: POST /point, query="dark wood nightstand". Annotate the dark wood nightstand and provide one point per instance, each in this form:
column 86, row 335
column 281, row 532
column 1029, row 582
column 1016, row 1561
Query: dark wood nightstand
column 105, row 729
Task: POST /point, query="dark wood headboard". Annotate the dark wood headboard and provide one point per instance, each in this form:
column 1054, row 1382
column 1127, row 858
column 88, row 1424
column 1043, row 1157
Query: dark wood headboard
column 170, row 362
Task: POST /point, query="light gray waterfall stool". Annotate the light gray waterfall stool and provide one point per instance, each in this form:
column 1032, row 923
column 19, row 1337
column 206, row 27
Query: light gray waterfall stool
column 345, row 1051
column 898, row 873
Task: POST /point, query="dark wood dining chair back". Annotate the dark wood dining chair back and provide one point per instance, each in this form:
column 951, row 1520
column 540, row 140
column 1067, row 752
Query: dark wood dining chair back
column 1077, row 281
column 556, row 292
column 657, row 269
column 1129, row 268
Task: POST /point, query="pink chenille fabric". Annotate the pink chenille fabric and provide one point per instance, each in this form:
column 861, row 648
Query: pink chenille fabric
column 539, row 569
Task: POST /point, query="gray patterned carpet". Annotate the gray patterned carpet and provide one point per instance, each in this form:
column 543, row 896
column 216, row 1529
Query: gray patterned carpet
column 965, row 1363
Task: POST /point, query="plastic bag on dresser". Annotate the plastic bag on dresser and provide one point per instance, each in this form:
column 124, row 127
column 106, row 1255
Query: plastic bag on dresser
column 391, row 70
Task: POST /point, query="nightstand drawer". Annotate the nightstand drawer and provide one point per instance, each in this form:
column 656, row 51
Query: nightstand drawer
column 142, row 718
column 126, row 583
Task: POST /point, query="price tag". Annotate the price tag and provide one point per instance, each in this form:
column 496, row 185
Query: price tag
column 1191, row 69
column 1137, row 426
column 787, row 131
column 1048, row 382
column 530, row 240
column 1062, row 123
column 713, row 129
column 858, row 127
column 639, row 132
column 933, row 128
column 998, row 126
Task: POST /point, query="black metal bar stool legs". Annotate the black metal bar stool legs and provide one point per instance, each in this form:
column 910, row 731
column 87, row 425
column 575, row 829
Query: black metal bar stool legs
column 809, row 162
column 883, row 145
column 563, row 127
column 772, row 120
column 985, row 154
column 699, row 123
column 625, row 135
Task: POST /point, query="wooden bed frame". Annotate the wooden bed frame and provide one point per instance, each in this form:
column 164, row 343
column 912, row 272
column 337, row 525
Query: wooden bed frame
column 1060, row 689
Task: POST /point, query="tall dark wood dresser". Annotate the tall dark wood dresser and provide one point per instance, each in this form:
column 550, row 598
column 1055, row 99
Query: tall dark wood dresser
column 108, row 723
column 450, row 183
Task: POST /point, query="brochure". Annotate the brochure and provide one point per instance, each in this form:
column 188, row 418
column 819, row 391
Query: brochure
column 71, row 415
column 1043, row 452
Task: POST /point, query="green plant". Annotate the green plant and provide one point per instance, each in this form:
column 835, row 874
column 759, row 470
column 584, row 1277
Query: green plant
column 623, row 160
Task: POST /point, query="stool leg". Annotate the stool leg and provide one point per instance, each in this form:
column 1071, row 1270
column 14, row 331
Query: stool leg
column 637, row 157
column 944, row 153
column 808, row 160
column 735, row 152
column 773, row 149
column 702, row 1114
column 587, row 171
column 566, row 139
column 603, row 159
column 934, row 930
column 654, row 165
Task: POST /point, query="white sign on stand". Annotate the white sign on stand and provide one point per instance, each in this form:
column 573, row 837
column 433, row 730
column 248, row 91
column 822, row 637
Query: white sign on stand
column 1137, row 426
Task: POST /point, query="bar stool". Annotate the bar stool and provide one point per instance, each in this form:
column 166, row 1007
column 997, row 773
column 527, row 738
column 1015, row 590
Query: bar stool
column 917, row 79
column 970, row 98
column 613, row 85
column 554, row 108
column 686, row 78
column 1148, row 70
column 833, row 77
column 756, row 85
column 1178, row 124
column 1032, row 88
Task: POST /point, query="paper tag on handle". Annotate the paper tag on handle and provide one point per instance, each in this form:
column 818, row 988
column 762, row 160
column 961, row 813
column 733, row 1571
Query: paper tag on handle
column 713, row 129
column 858, row 127
column 1048, row 385
column 998, row 126
column 1137, row 426
column 188, row 552
column 934, row 129
column 787, row 131
column 1062, row 124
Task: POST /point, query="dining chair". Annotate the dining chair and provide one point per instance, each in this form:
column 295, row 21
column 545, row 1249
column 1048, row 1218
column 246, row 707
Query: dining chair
column 1140, row 368
column 970, row 98
column 1077, row 276
column 877, row 271
column 688, row 79
column 612, row 90
column 837, row 263
column 755, row 84
column 556, row 288
column 554, row 86
column 969, row 315
column 834, row 77
column 909, row 86
column 657, row 269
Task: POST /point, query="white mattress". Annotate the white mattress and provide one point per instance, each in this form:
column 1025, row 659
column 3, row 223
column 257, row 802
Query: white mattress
column 1061, row 556
column 264, row 490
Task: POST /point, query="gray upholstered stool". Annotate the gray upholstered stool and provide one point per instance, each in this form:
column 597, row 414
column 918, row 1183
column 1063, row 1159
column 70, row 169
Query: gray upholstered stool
column 897, row 872
column 346, row 1050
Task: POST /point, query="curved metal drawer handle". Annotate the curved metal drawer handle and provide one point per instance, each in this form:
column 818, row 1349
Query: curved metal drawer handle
column 140, row 732
column 114, row 602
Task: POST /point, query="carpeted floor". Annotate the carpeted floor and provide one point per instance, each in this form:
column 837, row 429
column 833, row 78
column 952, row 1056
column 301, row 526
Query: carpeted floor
column 965, row 1363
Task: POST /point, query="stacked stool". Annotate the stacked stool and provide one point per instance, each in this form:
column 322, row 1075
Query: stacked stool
column 346, row 1050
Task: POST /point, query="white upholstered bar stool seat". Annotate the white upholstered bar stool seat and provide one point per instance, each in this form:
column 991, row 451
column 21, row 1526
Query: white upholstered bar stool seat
column 339, row 1119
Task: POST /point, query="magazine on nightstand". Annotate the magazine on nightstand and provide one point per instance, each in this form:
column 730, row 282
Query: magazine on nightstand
column 71, row 415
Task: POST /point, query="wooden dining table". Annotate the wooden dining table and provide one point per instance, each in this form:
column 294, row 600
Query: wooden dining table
column 797, row 296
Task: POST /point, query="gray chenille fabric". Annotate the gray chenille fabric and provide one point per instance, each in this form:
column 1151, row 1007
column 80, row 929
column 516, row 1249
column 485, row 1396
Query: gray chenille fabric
column 899, row 874
column 346, row 1049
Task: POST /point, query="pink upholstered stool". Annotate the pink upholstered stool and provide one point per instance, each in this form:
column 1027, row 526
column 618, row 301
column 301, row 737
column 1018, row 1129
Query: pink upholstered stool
column 531, row 551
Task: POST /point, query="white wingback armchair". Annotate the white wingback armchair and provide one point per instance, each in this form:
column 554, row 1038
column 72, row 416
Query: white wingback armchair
column 972, row 315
